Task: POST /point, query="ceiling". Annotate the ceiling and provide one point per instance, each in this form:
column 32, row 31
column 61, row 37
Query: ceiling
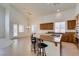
column 42, row 9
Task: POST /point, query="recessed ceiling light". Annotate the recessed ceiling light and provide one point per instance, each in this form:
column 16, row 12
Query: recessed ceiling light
column 55, row 3
column 29, row 13
column 24, row 8
column 58, row 10
column 48, row 3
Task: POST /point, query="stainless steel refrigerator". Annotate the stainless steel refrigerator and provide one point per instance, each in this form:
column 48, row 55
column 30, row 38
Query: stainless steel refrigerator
column 77, row 30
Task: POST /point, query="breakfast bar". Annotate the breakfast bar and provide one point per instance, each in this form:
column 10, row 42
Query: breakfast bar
column 47, row 37
column 54, row 39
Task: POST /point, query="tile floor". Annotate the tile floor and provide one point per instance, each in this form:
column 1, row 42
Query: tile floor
column 22, row 47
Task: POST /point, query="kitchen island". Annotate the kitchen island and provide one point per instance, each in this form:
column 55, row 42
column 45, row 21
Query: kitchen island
column 53, row 42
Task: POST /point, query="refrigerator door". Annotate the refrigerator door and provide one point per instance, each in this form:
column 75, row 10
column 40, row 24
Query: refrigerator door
column 77, row 29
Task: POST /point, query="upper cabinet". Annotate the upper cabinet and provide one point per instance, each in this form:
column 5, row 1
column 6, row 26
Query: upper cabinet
column 46, row 26
column 71, row 24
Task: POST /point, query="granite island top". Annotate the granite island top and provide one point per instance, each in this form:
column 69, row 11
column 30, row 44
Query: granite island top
column 49, row 37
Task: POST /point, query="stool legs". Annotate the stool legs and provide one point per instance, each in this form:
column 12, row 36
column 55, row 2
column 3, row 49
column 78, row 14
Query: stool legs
column 34, row 48
column 41, row 53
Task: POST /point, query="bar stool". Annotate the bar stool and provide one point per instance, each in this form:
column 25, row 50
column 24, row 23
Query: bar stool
column 42, row 46
column 33, row 41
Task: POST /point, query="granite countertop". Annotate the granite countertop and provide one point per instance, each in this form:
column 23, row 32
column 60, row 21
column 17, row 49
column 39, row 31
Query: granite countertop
column 49, row 37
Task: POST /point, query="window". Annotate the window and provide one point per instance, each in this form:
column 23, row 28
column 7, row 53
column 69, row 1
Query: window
column 15, row 30
column 60, row 27
column 34, row 29
column 21, row 28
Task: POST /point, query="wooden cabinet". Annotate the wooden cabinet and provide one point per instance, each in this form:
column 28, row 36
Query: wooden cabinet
column 68, row 37
column 71, row 24
column 46, row 26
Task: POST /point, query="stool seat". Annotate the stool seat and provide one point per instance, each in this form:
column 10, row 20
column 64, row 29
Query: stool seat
column 42, row 45
column 33, row 39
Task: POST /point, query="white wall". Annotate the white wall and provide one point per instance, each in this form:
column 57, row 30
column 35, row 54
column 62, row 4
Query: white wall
column 2, row 22
column 5, row 41
column 7, row 21
column 64, row 16
column 16, row 17
column 77, row 9
column 9, row 15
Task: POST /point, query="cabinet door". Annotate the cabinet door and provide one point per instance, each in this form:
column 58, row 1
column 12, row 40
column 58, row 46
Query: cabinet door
column 71, row 24
column 46, row 26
